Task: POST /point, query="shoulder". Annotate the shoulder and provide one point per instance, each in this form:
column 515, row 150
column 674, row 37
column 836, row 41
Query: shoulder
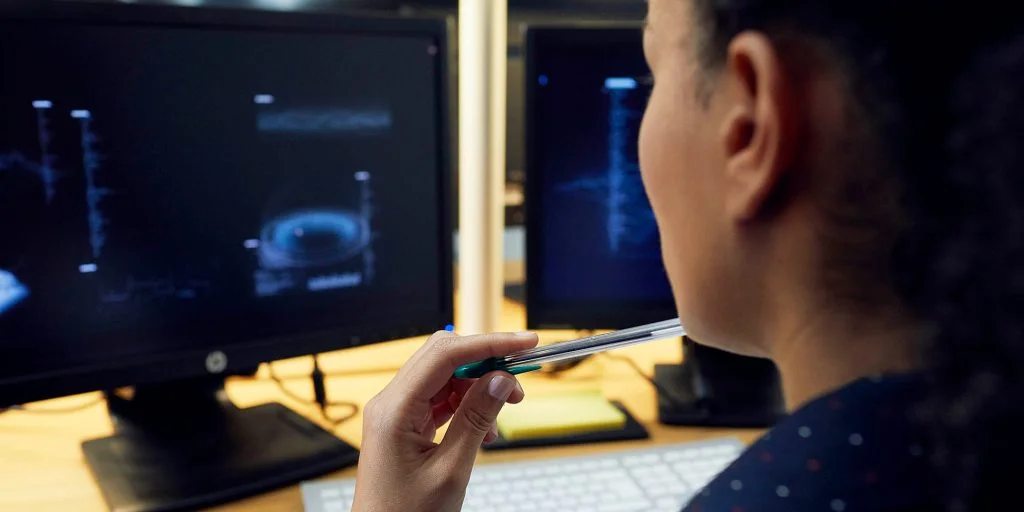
column 854, row 449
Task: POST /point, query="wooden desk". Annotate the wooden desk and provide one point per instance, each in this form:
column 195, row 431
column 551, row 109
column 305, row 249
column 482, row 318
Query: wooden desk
column 42, row 468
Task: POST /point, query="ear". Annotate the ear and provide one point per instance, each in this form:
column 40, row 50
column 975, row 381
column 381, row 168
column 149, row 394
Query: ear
column 760, row 125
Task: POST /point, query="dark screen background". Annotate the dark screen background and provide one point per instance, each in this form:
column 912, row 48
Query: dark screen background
column 599, row 241
column 186, row 181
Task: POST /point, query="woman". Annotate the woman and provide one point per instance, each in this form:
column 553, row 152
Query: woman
column 837, row 185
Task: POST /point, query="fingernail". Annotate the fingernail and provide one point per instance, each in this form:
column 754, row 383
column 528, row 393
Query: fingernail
column 525, row 334
column 501, row 387
column 519, row 388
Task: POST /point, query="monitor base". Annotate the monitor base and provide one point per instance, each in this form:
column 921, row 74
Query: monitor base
column 185, row 446
column 713, row 388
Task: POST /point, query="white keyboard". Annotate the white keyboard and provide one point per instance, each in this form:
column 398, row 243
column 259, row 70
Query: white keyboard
column 658, row 479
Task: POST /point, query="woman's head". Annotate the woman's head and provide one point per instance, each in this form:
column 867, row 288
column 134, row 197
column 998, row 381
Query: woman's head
column 766, row 176
column 852, row 156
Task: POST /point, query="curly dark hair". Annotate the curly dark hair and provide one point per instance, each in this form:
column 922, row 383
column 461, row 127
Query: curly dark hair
column 934, row 213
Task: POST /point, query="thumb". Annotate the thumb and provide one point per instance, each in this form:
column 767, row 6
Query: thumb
column 476, row 416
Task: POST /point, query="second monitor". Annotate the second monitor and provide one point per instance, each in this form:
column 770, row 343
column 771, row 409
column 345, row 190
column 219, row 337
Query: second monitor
column 593, row 252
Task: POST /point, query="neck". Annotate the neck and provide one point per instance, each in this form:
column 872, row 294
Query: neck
column 826, row 351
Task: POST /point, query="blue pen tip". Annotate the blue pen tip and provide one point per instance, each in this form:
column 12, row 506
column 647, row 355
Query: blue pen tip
column 449, row 328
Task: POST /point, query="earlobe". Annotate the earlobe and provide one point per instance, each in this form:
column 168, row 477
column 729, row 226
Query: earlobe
column 757, row 133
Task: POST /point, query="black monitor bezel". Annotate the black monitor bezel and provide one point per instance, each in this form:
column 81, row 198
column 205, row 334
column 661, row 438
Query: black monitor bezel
column 541, row 312
column 242, row 356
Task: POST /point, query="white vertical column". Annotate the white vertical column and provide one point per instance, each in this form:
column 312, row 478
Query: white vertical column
column 483, row 47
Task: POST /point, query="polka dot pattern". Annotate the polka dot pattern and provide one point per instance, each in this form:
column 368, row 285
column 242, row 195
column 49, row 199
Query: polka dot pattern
column 852, row 450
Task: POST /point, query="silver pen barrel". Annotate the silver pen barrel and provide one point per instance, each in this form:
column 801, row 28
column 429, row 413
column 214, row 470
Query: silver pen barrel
column 597, row 343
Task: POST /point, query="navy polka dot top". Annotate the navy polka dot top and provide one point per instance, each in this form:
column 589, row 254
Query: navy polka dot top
column 851, row 451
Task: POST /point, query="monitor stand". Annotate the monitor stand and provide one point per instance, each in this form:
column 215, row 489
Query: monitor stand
column 713, row 388
column 184, row 445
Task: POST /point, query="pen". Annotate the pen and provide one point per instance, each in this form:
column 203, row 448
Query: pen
column 530, row 360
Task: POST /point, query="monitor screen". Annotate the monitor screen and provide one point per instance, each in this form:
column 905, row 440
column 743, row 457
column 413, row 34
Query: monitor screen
column 169, row 188
column 594, row 259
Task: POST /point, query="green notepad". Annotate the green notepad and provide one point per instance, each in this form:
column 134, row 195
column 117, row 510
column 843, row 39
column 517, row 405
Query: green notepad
column 565, row 414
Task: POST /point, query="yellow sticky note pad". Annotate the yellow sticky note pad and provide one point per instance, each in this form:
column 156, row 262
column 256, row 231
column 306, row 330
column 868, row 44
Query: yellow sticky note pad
column 559, row 415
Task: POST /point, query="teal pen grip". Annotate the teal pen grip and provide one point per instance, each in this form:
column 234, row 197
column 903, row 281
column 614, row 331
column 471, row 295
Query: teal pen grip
column 481, row 368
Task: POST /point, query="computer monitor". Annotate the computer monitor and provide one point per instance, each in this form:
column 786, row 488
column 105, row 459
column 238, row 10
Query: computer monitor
column 188, row 192
column 593, row 253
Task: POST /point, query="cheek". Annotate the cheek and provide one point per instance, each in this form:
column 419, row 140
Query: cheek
column 674, row 162
column 666, row 163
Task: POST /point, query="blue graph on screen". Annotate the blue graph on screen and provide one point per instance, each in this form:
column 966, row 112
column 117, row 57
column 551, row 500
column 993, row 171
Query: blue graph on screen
column 49, row 176
column 629, row 221
column 94, row 194
column 44, row 168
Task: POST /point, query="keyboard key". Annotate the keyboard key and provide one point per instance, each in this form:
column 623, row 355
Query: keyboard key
column 625, row 506
column 610, row 475
column 667, row 504
column 658, row 491
column 568, row 503
column 626, row 489
column 673, row 456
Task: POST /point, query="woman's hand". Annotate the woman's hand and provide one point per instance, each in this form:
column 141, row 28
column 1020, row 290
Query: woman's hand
column 401, row 468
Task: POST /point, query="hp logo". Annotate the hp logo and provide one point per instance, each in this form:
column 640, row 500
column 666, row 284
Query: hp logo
column 216, row 362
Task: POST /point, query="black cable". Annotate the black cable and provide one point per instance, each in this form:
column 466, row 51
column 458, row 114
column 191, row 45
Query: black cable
column 662, row 390
column 345, row 373
column 319, row 392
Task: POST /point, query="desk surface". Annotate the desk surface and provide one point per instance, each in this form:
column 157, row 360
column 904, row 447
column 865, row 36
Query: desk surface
column 42, row 468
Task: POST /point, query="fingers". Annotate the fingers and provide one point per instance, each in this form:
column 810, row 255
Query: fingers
column 474, row 420
column 431, row 367
column 445, row 407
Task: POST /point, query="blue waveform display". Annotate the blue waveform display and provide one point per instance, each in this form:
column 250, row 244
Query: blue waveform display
column 44, row 168
column 11, row 291
column 93, row 194
column 629, row 220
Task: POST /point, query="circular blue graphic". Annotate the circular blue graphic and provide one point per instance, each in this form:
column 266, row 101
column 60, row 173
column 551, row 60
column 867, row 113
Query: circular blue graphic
column 312, row 238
